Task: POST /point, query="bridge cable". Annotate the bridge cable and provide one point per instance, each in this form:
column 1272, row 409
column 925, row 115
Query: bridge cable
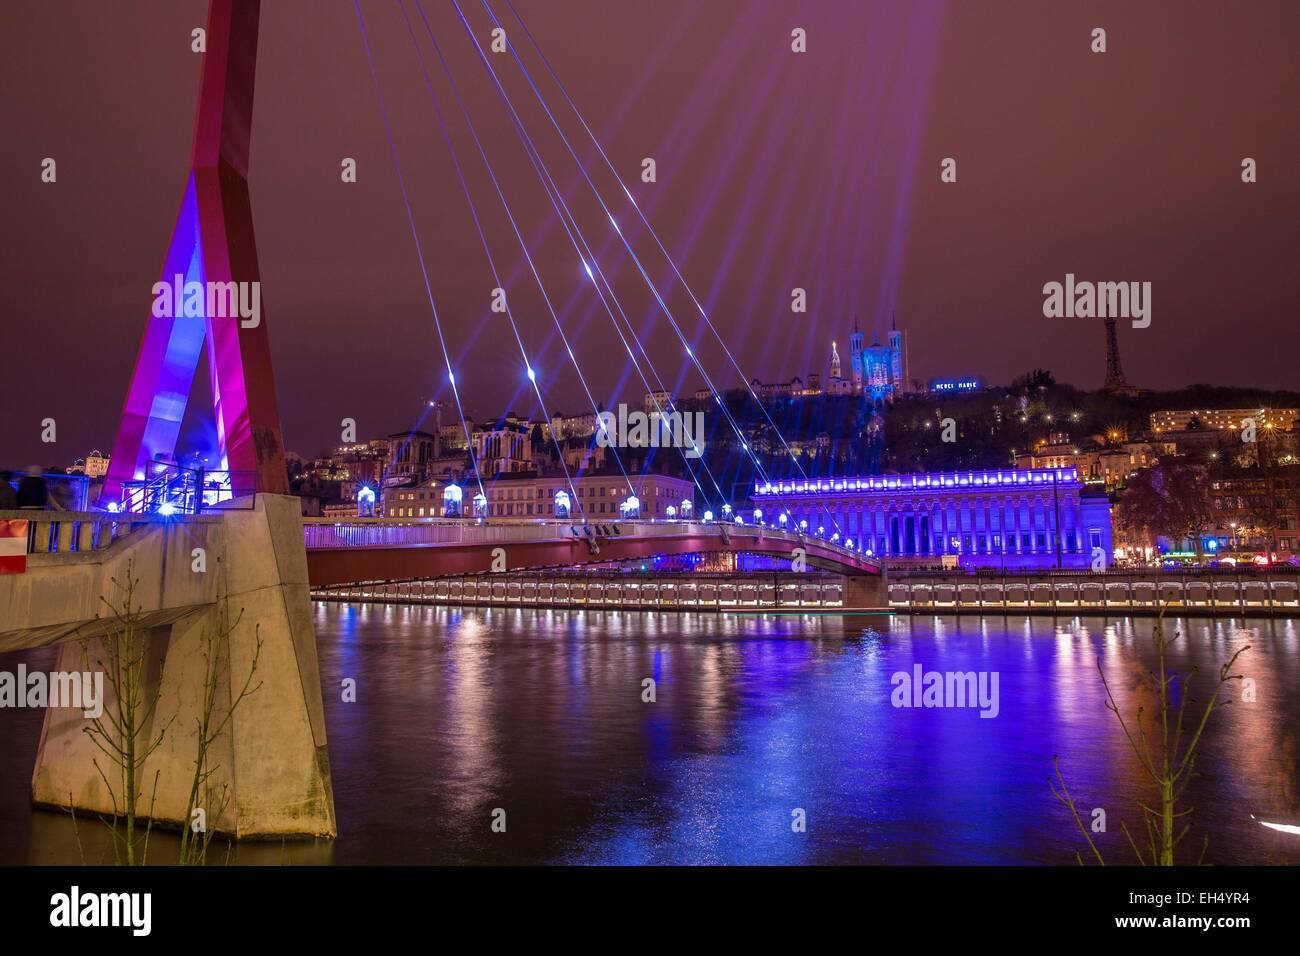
column 557, row 201
column 596, row 193
column 419, row 252
column 645, row 221
column 488, row 253
column 588, row 259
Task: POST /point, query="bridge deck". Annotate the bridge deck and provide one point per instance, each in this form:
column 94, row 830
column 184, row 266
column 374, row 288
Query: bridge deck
column 361, row 550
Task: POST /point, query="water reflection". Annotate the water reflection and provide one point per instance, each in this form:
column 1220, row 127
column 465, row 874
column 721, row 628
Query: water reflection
column 461, row 712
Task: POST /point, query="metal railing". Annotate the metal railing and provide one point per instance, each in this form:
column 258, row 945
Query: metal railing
column 175, row 489
column 321, row 533
column 72, row 532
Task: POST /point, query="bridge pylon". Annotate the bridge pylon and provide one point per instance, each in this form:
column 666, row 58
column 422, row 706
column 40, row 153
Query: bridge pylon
column 867, row 592
column 211, row 257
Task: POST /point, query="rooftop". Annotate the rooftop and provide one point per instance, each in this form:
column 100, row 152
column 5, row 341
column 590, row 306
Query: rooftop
column 955, row 479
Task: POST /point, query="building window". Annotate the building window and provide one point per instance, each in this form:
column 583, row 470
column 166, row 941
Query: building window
column 1094, row 538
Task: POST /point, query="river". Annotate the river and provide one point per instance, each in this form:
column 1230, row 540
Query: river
column 758, row 722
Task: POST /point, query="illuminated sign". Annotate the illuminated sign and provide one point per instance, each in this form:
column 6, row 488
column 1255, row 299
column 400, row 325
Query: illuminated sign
column 970, row 383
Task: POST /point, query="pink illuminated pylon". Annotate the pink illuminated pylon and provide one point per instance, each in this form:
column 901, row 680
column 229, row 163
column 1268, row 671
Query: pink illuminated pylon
column 211, row 242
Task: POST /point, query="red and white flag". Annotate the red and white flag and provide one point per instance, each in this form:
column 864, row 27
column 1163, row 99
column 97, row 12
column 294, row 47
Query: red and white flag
column 13, row 546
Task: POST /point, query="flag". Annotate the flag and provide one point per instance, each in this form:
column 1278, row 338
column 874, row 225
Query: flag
column 13, row 546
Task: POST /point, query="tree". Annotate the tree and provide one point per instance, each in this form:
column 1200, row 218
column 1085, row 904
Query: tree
column 210, row 723
column 1167, row 752
column 1039, row 378
column 124, row 732
column 1171, row 499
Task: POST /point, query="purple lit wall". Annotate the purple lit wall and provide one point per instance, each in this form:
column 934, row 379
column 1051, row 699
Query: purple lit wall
column 1015, row 519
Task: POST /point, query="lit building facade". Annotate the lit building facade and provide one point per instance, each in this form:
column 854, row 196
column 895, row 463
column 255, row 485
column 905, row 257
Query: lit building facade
column 1031, row 519
column 422, row 500
column 589, row 497
column 598, row 497
column 503, row 448
column 1224, row 419
column 1258, row 513
column 409, row 453
column 1109, row 466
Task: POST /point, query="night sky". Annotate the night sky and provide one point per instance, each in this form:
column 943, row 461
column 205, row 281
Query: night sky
column 775, row 170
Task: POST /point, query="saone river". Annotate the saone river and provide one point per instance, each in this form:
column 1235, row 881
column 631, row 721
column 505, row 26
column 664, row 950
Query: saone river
column 541, row 713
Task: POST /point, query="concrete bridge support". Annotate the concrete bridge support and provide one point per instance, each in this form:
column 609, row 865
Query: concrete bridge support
column 867, row 592
column 270, row 766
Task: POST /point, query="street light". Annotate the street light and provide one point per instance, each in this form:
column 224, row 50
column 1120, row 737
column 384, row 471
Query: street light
column 366, row 502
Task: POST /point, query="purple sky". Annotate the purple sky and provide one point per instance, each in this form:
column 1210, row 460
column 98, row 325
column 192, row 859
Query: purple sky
column 775, row 170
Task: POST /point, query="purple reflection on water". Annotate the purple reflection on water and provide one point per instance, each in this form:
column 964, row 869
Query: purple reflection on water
column 540, row 713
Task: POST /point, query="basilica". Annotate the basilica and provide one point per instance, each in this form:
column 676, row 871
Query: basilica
column 877, row 371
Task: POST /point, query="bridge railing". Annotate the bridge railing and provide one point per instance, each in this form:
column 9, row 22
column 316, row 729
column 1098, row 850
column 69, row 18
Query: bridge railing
column 72, row 532
column 329, row 533
column 387, row 533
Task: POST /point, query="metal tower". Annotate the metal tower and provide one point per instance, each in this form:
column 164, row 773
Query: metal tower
column 1114, row 371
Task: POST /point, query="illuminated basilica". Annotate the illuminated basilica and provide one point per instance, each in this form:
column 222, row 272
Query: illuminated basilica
column 878, row 371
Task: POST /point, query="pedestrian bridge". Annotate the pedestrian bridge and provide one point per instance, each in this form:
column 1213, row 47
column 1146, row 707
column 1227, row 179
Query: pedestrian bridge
column 384, row 549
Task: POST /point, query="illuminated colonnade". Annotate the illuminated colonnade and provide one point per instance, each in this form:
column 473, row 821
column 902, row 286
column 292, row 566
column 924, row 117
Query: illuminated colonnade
column 1033, row 519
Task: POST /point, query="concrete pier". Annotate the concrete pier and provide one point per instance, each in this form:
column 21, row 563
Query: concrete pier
column 866, row 592
column 271, row 766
